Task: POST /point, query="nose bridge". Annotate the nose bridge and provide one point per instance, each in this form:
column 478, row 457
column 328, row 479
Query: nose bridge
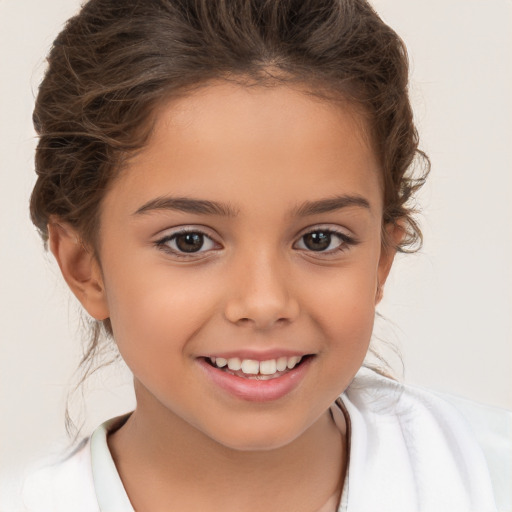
column 260, row 291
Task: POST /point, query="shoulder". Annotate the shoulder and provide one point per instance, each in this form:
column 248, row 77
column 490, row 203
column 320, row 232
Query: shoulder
column 377, row 396
column 415, row 447
column 492, row 429
column 62, row 486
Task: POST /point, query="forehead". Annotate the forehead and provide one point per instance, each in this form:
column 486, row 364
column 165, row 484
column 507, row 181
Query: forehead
column 235, row 142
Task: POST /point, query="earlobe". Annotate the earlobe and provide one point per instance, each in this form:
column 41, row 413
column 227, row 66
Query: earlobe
column 79, row 268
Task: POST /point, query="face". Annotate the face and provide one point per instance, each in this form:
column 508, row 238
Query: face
column 247, row 233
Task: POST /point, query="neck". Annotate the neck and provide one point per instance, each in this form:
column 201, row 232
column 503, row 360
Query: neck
column 166, row 464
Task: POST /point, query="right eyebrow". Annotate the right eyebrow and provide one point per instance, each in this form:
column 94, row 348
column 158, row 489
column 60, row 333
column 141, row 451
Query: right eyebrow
column 188, row 205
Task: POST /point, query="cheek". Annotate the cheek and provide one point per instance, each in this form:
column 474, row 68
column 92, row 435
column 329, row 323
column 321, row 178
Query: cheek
column 348, row 325
column 345, row 309
column 156, row 315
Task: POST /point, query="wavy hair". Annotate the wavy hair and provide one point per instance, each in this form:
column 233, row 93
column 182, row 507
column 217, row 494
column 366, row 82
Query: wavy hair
column 115, row 62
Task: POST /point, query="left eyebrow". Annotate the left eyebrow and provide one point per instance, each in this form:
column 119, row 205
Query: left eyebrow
column 329, row 205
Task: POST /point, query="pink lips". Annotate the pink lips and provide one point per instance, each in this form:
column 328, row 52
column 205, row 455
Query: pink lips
column 256, row 390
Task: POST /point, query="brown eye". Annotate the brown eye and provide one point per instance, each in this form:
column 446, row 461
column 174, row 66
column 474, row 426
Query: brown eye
column 317, row 240
column 325, row 241
column 189, row 242
column 185, row 242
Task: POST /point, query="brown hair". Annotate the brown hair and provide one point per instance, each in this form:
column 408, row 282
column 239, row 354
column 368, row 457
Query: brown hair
column 116, row 61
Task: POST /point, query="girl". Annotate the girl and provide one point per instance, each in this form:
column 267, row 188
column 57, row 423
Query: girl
column 224, row 185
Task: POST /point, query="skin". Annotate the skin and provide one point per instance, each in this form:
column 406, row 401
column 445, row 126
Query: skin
column 189, row 445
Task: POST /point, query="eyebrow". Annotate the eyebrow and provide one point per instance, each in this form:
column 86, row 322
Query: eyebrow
column 204, row 207
column 188, row 205
column 329, row 205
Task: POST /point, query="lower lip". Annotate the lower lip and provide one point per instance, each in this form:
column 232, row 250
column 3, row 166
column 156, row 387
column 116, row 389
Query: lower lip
column 257, row 390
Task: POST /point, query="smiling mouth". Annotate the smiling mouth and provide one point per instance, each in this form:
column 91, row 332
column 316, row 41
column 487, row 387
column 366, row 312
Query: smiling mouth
column 257, row 370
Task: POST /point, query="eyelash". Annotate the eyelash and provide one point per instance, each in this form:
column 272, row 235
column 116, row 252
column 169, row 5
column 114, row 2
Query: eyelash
column 162, row 243
column 346, row 242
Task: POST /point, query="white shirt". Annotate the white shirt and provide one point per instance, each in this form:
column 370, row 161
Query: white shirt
column 409, row 451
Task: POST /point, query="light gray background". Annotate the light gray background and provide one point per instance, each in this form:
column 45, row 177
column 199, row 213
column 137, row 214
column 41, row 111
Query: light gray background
column 450, row 307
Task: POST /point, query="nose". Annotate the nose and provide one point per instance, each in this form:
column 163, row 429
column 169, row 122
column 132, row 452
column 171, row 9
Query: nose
column 261, row 293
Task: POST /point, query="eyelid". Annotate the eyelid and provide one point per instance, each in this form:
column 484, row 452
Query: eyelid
column 162, row 241
column 187, row 228
column 347, row 239
column 337, row 230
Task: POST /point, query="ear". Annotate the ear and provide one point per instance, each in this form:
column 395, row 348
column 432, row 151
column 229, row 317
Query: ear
column 79, row 268
column 392, row 235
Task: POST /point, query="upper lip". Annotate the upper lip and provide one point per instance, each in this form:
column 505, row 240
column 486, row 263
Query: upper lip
column 261, row 355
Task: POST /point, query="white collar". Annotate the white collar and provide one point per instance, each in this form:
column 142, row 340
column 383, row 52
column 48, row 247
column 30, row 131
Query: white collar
column 110, row 492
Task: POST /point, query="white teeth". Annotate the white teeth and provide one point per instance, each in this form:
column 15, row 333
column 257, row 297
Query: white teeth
column 292, row 361
column 234, row 364
column 268, row 367
column 250, row 366
column 220, row 362
column 282, row 364
column 254, row 367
